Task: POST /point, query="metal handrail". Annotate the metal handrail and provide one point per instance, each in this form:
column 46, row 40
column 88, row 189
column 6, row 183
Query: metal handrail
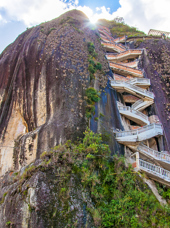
column 125, row 52
column 137, row 103
column 139, row 130
column 148, row 93
column 106, row 38
column 139, row 80
column 107, row 33
column 120, row 38
column 111, row 44
column 126, row 68
column 156, row 154
column 126, row 108
column 129, row 64
column 104, row 27
column 158, row 171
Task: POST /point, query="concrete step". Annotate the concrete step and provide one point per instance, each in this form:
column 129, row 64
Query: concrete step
column 123, row 86
column 140, row 105
column 125, row 70
column 140, row 134
column 126, row 54
column 136, row 116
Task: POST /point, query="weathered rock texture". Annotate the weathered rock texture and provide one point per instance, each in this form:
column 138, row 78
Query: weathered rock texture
column 156, row 63
column 46, row 199
column 43, row 78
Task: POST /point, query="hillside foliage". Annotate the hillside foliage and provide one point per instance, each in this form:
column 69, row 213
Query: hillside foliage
column 120, row 28
column 120, row 198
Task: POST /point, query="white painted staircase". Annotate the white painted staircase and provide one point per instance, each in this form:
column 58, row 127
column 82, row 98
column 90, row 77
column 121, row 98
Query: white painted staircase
column 122, row 86
column 140, row 105
column 125, row 70
column 135, row 116
column 111, row 46
column 120, row 64
column 163, row 157
column 141, row 82
column 140, row 134
column 124, row 55
column 153, row 171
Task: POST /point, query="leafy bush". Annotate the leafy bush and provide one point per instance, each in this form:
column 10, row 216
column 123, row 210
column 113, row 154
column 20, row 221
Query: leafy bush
column 92, row 69
column 93, row 66
column 8, row 223
column 91, row 49
column 92, row 95
column 99, row 66
column 119, row 196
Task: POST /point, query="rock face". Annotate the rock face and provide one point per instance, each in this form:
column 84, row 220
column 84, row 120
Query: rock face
column 43, row 81
column 44, row 75
column 156, row 63
column 41, row 202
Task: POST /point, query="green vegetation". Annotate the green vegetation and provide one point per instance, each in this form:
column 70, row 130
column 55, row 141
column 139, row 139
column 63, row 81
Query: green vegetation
column 3, row 198
column 93, row 64
column 92, row 96
column 120, row 28
column 50, row 30
column 91, row 49
column 27, row 172
column 163, row 191
column 8, row 223
column 119, row 196
column 30, row 208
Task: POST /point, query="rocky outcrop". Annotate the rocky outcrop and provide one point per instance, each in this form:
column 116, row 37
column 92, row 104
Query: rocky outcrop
column 46, row 199
column 44, row 75
column 156, row 63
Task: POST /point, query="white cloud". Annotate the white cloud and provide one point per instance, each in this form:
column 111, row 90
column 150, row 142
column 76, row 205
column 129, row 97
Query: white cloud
column 2, row 20
column 33, row 12
column 143, row 14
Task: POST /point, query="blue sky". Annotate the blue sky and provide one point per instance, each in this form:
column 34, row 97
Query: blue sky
column 112, row 4
column 17, row 15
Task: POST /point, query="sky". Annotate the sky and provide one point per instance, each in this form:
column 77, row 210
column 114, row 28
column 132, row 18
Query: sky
column 17, row 15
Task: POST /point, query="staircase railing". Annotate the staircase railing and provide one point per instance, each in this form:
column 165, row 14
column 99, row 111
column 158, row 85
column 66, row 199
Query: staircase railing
column 120, row 39
column 131, row 51
column 129, row 109
column 158, row 171
column 137, row 103
column 125, row 68
column 106, row 33
column 114, row 45
column 139, row 130
column 139, row 81
column 158, row 155
column 104, row 27
column 106, row 38
column 133, row 87
column 130, row 64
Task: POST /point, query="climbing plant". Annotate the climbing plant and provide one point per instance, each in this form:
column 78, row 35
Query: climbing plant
column 92, row 96
column 93, row 64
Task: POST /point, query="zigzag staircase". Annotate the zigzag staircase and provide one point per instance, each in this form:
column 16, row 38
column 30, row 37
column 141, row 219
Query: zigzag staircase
column 138, row 135
column 135, row 116
column 122, row 86
column 128, row 79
